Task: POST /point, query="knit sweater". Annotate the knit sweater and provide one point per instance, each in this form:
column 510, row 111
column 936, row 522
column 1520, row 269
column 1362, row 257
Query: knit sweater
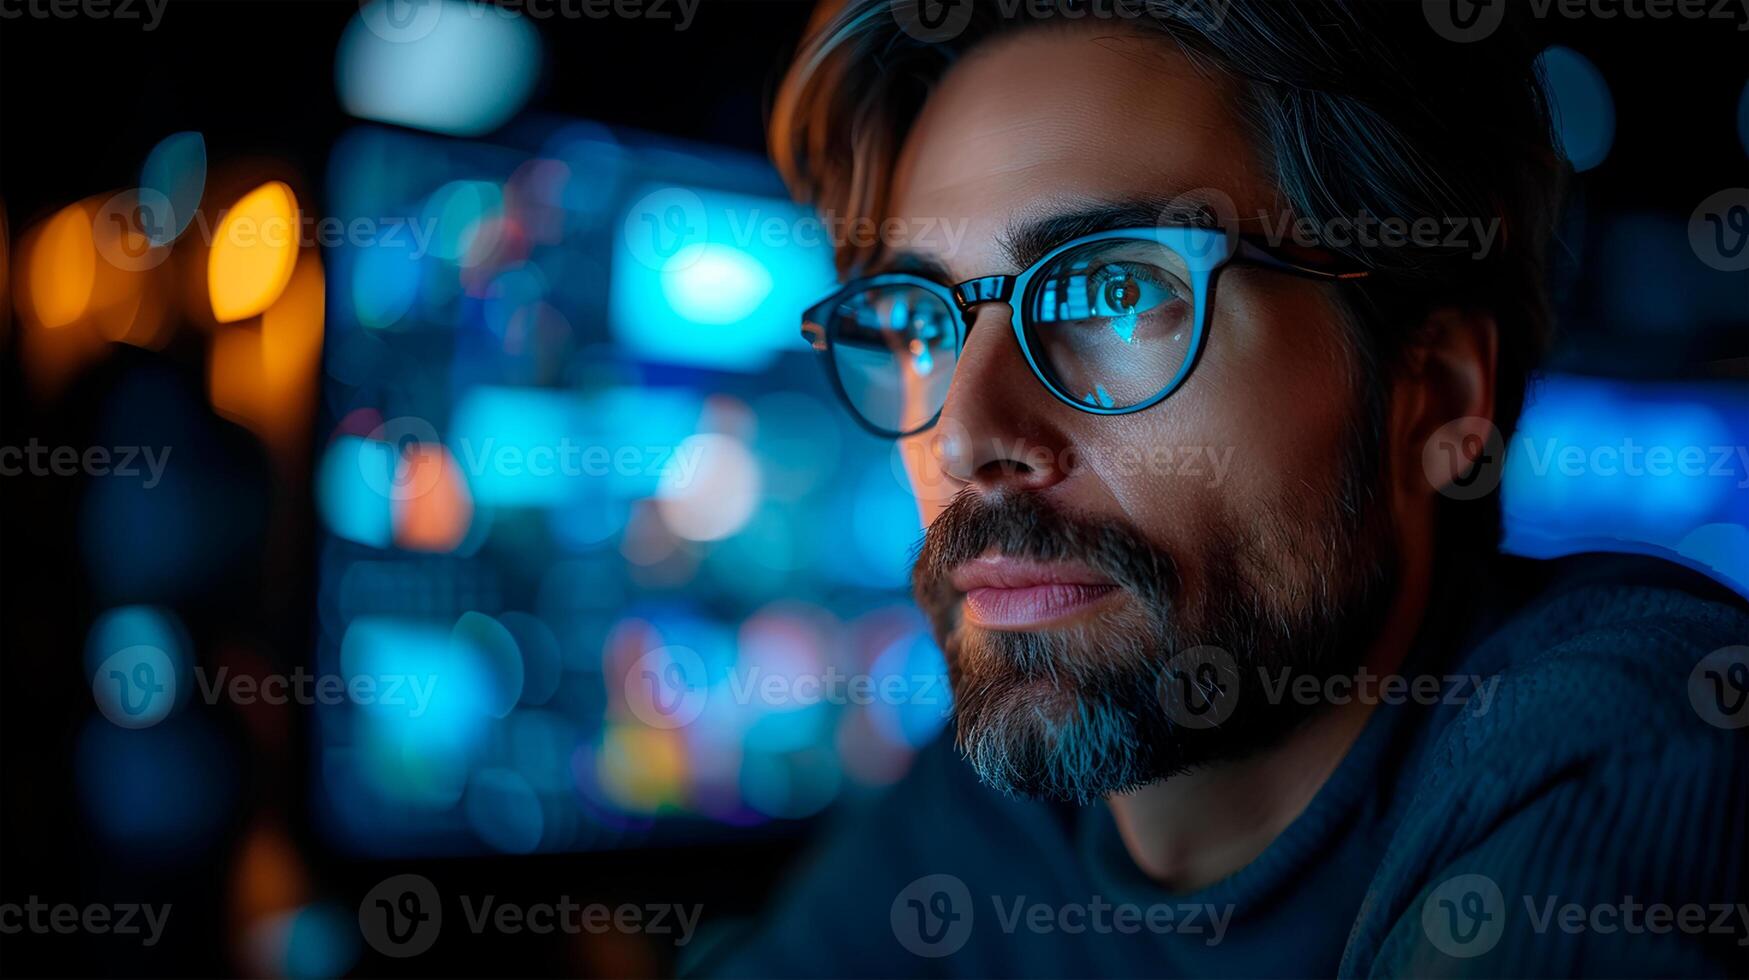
column 1573, row 801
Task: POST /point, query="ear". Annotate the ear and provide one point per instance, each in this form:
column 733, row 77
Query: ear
column 1442, row 403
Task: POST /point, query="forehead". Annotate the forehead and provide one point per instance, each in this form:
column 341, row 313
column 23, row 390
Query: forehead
column 1053, row 119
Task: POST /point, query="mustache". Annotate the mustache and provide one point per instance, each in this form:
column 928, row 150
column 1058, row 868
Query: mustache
column 1023, row 525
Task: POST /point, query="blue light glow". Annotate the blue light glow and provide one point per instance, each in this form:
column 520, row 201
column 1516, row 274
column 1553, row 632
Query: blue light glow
column 590, row 518
column 417, row 742
column 128, row 626
column 516, row 289
column 720, row 285
column 495, row 650
column 520, row 447
column 1606, row 464
column 321, row 940
column 385, row 282
column 504, row 811
column 350, row 489
column 1584, row 112
column 137, row 659
column 158, row 794
column 914, row 719
column 175, row 171
column 456, row 211
column 540, row 655
column 714, row 284
column 884, row 525
column 644, row 429
column 447, row 68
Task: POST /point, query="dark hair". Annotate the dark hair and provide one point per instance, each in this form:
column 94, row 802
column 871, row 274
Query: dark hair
column 1357, row 107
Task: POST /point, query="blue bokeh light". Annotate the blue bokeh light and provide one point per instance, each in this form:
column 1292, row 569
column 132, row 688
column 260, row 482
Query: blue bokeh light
column 447, row 68
column 350, row 489
column 519, row 446
column 1583, row 109
column 155, row 795
column 504, row 810
column 713, row 279
column 429, row 709
column 385, row 283
column 175, row 171
column 1597, row 463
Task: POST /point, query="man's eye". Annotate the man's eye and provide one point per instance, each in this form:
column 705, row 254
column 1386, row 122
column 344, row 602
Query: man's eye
column 1125, row 289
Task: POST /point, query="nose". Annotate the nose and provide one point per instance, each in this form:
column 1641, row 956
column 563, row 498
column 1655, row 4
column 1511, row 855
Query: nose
column 999, row 427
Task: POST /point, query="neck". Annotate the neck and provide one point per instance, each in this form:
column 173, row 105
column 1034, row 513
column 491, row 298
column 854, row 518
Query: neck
column 1194, row 829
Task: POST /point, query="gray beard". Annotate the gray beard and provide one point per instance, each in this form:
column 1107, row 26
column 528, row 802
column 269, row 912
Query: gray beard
column 1101, row 708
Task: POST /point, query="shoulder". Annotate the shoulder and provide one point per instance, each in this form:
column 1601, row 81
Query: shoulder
column 1604, row 767
column 1606, row 655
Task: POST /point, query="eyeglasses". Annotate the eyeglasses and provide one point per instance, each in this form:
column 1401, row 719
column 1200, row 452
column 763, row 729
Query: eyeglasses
column 1111, row 323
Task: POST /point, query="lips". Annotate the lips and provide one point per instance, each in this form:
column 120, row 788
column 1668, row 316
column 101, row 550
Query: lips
column 1015, row 593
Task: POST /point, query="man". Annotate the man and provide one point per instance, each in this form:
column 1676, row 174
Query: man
column 1300, row 718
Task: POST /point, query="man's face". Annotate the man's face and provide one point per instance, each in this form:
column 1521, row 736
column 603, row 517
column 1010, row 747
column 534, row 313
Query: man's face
column 1071, row 556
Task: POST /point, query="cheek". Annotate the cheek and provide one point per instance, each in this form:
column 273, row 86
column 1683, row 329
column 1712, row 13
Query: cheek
column 1280, row 385
column 1260, row 424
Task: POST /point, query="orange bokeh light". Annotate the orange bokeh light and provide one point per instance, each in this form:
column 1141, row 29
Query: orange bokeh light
column 253, row 253
column 63, row 268
column 265, row 375
column 438, row 515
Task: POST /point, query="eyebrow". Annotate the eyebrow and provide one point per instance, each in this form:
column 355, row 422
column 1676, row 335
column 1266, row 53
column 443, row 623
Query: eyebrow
column 916, row 263
column 1029, row 238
